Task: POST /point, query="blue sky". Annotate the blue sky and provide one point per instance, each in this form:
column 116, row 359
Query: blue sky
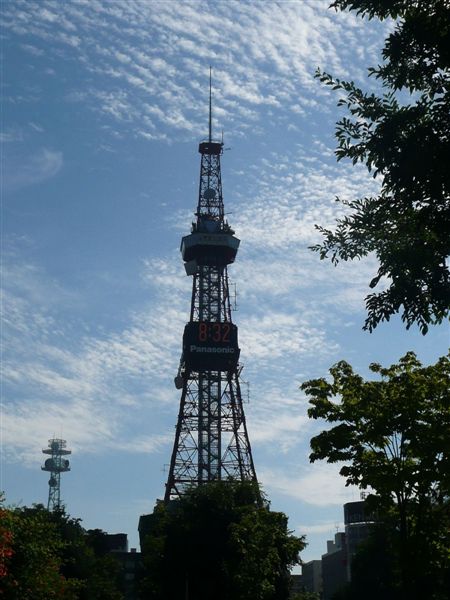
column 104, row 104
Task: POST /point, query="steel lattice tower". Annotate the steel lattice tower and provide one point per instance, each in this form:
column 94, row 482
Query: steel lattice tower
column 55, row 466
column 211, row 440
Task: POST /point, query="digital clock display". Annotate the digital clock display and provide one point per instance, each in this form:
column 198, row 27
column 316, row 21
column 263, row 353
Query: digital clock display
column 214, row 332
column 210, row 346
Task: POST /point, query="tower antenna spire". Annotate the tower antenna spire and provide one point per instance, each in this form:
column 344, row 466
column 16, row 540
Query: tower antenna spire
column 210, row 105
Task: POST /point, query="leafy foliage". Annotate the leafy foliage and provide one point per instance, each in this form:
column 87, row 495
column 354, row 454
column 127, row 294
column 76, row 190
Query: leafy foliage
column 306, row 596
column 218, row 542
column 407, row 225
column 393, row 436
column 48, row 555
column 6, row 541
column 32, row 566
column 374, row 569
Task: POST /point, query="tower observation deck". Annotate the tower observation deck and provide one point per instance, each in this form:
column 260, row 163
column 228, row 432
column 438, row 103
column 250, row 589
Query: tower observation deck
column 211, row 439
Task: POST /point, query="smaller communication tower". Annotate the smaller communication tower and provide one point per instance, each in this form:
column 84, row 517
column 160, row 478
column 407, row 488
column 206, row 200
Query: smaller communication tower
column 55, row 466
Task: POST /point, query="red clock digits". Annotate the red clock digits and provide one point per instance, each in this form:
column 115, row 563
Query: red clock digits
column 219, row 333
column 217, row 337
column 202, row 332
column 225, row 332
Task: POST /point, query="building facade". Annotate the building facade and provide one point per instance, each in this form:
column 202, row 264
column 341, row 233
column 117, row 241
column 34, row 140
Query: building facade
column 333, row 571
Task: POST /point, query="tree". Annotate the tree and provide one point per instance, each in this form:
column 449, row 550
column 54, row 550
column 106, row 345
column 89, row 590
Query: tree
column 218, row 542
column 85, row 559
column 31, row 570
column 6, row 540
column 48, row 555
column 306, row 596
column 393, row 436
column 402, row 136
column 372, row 568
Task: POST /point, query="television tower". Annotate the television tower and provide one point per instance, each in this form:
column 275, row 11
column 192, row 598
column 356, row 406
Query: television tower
column 55, row 466
column 211, row 440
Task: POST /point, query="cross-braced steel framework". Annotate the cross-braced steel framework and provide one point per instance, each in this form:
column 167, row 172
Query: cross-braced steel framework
column 211, row 439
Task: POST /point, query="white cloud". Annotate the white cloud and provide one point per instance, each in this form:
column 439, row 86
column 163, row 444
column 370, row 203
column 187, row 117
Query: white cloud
column 329, row 527
column 93, row 385
column 286, row 428
column 12, row 135
column 280, row 335
column 20, row 172
column 32, row 49
column 146, row 444
column 264, row 55
column 319, row 484
column 36, row 127
column 97, row 384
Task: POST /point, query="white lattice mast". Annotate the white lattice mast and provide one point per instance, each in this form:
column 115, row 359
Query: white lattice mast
column 55, row 465
column 211, row 439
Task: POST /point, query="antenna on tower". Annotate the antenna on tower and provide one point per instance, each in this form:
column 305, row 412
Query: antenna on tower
column 55, row 466
column 210, row 105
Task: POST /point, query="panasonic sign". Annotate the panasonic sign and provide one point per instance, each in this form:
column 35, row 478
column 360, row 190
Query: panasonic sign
column 210, row 350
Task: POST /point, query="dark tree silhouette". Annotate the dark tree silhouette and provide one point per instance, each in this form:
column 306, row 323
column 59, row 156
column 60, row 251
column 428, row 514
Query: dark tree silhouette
column 218, row 542
column 403, row 137
column 393, row 437
column 48, row 555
